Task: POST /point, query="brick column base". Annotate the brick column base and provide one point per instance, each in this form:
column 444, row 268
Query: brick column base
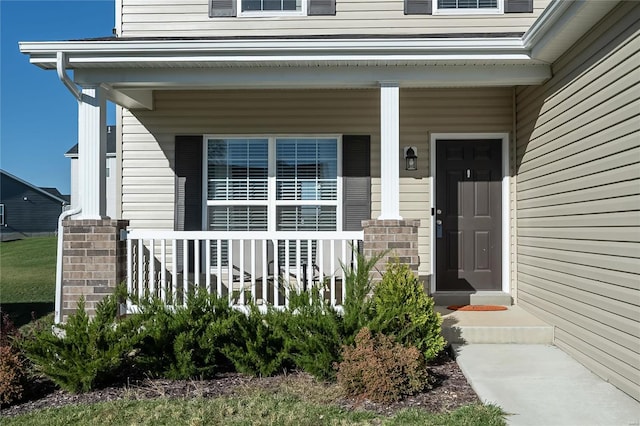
column 94, row 262
column 399, row 237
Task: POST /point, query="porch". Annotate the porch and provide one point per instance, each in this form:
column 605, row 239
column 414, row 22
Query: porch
column 241, row 266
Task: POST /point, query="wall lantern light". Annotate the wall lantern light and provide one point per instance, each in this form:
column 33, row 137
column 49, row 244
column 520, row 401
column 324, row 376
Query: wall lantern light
column 411, row 157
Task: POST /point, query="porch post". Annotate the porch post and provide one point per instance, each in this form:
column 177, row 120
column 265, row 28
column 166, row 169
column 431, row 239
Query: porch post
column 92, row 152
column 390, row 151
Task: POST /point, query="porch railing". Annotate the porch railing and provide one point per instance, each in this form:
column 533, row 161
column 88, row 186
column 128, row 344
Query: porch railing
column 238, row 265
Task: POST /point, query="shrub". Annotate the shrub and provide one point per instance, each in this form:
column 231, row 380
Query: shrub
column 311, row 331
column 258, row 348
column 357, row 306
column 402, row 309
column 380, row 369
column 83, row 354
column 12, row 365
column 185, row 342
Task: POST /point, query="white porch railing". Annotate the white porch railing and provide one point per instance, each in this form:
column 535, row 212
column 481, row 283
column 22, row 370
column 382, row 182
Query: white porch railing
column 239, row 265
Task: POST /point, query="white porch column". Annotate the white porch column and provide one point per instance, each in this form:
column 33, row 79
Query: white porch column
column 92, row 152
column 390, row 151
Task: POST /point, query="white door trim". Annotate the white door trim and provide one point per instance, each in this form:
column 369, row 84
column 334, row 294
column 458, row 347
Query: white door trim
column 506, row 202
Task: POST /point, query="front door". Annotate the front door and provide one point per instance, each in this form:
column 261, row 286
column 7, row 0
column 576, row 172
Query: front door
column 468, row 214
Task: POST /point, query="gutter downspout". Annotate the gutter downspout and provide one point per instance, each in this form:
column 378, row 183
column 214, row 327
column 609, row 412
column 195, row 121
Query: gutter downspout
column 61, row 67
column 58, row 307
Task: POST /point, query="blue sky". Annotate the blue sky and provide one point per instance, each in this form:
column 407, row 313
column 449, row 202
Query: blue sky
column 38, row 115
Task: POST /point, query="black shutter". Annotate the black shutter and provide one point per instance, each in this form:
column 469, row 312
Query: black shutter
column 321, row 7
column 417, row 7
column 356, row 181
column 222, row 8
column 518, row 6
column 188, row 191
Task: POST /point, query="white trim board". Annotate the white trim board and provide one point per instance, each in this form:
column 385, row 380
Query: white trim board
column 506, row 216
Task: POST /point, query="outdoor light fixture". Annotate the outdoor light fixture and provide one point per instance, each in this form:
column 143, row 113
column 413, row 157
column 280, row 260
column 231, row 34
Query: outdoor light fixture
column 411, row 157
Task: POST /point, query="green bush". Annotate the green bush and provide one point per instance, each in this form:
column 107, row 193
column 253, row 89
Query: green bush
column 380, row 369
column 185, row 342
column 84, row 354
column 402, row 309
column 312, row 334
column 259, row 346
column 357, row 306
column 12, row 363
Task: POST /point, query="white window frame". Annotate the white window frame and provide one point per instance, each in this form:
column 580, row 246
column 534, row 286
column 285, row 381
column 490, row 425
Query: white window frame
column 479, row 11
column 272, row 202
column 2, row 215
column 272, row 13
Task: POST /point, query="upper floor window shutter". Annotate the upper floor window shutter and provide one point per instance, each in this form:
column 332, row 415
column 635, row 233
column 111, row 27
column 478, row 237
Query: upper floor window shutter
column 356, row 181
column 518, row 6
column 321, row 7
column 220, row 8
column 417, row 7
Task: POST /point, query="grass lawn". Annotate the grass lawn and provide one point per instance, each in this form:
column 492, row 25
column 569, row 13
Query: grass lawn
column 27, row 277
column 255, row 408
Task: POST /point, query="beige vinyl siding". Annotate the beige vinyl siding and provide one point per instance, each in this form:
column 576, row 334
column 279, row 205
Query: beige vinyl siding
column 578, row 199
column 162, row 18
column 148, row 147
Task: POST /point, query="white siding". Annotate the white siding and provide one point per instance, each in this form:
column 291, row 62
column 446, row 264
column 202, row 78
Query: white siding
column 162, row 18
column 578, row 199
column 148, row 136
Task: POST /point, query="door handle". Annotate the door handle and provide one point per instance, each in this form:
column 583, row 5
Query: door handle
column 438, row 228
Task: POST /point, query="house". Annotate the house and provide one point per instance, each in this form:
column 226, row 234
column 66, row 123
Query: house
column 492, row 145
column 27, row 210
column 110, row 190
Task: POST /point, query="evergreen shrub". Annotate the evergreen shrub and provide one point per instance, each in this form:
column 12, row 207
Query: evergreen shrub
column 83, row 354
column 402, row 309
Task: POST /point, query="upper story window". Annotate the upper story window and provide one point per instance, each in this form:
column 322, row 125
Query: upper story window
column 445, row 7
column 275, row 7
column 263, row 8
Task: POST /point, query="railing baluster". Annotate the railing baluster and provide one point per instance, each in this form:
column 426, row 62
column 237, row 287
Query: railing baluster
column 230, row 271
column 174, row 271
column 152, row 268
column 332, row 290
column 196, row 263
column 185, row 270
column 163, row 270
column 344, row 260
column 265, row 271
column 320, row 264
column 141, row 268
column 130, row 270
column 276, row 271
column 207, row 265
column 298, row 266
column 253, row 271
column 241, row 274
column 310, row 264
column 219, row 267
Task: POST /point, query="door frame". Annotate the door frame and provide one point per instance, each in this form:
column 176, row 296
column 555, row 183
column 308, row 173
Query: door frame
column 506, row 201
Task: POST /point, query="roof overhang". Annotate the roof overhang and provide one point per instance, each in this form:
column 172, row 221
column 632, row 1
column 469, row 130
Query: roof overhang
column 130, row 69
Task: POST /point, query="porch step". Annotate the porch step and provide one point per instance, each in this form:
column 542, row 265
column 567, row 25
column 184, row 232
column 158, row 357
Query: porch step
column 511, row 326
column 447, row 298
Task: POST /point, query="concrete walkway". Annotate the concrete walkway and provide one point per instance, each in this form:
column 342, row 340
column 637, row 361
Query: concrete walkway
column 542, row 385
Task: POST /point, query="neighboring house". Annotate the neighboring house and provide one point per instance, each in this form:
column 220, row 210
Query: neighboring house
column 109, row 173
column 492, row 145
column 26, row 210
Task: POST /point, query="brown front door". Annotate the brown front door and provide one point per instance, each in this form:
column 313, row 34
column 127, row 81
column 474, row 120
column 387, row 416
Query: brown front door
column 468, row 215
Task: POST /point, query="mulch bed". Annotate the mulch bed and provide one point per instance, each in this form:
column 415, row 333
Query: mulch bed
column 449, row 391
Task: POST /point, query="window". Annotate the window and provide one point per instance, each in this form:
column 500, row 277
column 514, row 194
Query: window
column 2, row 214
column 468, row 7
column 272, row 7
column 272, row 184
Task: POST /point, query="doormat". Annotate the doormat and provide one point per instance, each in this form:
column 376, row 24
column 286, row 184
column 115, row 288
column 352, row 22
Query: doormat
column 477, row 308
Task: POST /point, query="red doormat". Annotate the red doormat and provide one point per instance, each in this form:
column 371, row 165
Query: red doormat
column 478, row 308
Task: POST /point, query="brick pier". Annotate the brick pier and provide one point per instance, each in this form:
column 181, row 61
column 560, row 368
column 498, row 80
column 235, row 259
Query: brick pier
column 399, row 237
